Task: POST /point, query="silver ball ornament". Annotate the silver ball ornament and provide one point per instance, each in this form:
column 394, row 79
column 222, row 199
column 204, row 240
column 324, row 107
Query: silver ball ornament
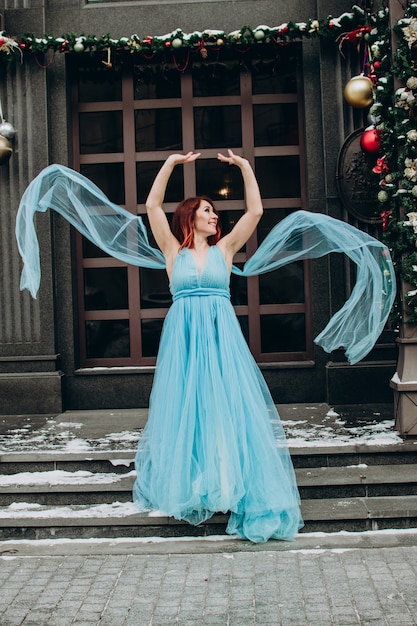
column 7, row 130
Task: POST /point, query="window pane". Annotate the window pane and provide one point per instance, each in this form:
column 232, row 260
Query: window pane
column 98, row 85
column 283, row 333
column 283, row 285
column 269, row 219
column 151, row 334
column 278, row 176
column 228, row 219
column 216, row 79
column 154, row 289
column 101, row 132
column 90, row 251
column 109, row 178
column 217, row 127
column 145, row 175
column 218, row 181
column 244, row 325
column 105, row 288
column 107, row 339
column 276, row 75
column 238, row 290
column 158, row 129
column 161, row 81
column 275, row 124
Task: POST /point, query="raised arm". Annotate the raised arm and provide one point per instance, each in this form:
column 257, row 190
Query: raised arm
column 246, row 225
column 160, row 228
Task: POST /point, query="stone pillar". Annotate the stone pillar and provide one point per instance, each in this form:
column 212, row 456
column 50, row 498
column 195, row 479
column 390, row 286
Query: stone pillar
column 404, row 381
column 30, row 381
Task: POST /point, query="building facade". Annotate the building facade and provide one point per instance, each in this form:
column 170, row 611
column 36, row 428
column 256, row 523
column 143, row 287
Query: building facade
column 90, row 339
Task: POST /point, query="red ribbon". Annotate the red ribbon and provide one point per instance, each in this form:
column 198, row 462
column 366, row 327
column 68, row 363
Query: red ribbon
column 385, row 215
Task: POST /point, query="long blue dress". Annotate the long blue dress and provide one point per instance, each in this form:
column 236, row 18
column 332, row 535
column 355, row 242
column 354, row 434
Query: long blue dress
column 214, row 440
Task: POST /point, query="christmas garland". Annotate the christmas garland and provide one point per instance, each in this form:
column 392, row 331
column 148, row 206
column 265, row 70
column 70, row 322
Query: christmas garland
column 197, row 42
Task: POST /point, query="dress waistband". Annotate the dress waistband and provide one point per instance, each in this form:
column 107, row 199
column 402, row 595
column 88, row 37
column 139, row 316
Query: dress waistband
column 201, row 291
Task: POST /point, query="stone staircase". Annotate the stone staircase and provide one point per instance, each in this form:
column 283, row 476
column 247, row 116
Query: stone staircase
column 55, row 495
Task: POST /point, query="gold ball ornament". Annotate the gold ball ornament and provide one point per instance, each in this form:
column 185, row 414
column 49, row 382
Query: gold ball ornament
column 359, row 92
column 6, row 150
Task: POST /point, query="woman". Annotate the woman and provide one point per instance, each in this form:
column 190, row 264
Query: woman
column 213, row 441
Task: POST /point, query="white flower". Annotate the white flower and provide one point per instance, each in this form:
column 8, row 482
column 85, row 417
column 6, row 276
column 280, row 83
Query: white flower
column 410, row 32
column 314, row 26
column 412, row 135
column 412, row 220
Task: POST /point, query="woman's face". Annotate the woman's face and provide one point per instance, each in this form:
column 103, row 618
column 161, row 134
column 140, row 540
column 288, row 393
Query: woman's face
column 205, row 219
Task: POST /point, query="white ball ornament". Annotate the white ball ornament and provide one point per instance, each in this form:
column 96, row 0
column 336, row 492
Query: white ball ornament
column 177, row 43
column 382, row 196
column 259, row 34
column 79, row 46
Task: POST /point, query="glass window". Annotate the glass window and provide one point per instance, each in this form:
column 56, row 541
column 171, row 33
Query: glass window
column 109, row 177
column 283, row 333
column 226, row 98
column 107, row 339
column 282, row 286
column 278, row 176
column 145, row 175
column 154, row 289
column 97, row 83
column 216, row 79
column 278, row 75
column 105, row 288
column 101, row 132
column 218, row 180
column 151, row 334
column 158, row 129
column 156, row 82
column 275, row 124
column 217, row 127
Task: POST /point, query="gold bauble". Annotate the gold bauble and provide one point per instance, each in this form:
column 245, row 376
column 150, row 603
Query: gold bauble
column 359, row 92
column 5, row 150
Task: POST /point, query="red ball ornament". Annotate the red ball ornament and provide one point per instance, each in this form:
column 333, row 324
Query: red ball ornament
column 2, row 41
column 377, row 65
column 370, row 141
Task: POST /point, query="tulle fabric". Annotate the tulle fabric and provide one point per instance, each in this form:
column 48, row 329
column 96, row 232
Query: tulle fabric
column 214, row 441
column 301, row 235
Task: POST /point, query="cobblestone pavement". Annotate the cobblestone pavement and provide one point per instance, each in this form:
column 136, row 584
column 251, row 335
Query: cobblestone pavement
column 317, row 587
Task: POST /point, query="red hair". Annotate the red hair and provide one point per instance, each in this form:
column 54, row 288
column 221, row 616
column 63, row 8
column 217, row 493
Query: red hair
column 183, row 222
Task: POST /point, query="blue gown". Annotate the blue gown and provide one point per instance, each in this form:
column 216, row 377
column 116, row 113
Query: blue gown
column 214, row 440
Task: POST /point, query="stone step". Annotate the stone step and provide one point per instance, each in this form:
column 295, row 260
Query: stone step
column 121, row 520
column 60, row 487
column 122, row 460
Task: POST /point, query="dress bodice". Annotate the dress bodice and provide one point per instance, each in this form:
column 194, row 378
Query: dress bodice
column 185, row 274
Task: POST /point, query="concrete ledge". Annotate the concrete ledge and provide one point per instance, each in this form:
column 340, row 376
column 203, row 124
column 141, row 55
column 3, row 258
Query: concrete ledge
column 34, row 392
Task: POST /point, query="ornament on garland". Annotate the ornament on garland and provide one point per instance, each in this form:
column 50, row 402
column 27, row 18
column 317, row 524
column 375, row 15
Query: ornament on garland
column 370, row 141
column 7, row 132
column 359, row 92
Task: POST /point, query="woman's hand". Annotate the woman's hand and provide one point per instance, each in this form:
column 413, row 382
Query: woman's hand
column 179, row 159
column 232, row 159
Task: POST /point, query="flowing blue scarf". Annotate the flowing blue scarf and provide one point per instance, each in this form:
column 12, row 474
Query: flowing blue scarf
column 301, row 235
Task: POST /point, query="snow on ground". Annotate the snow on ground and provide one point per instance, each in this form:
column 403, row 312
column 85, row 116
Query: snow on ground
column 311, row 426
column 23, row 510
column 61, row 477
